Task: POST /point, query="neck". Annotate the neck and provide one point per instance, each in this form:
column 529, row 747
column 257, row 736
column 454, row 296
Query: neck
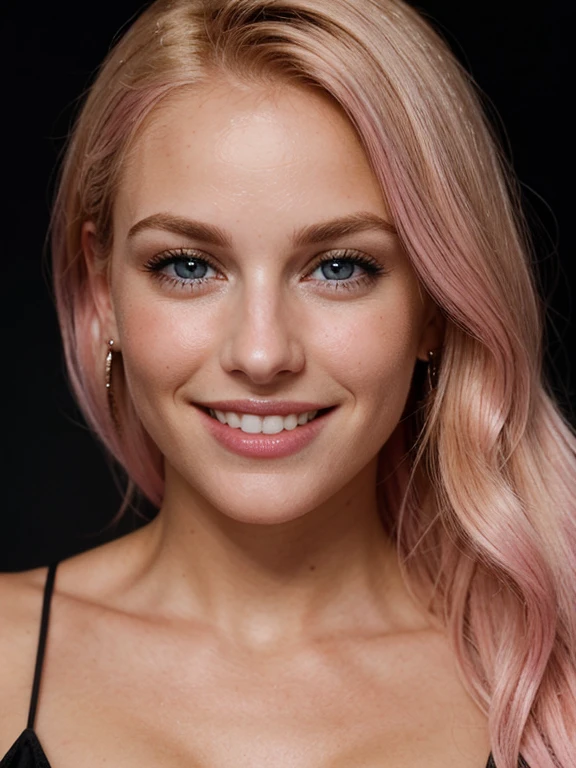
column 329, row 570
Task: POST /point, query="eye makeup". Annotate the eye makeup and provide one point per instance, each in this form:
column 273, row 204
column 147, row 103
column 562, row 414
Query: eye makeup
column 190, row 269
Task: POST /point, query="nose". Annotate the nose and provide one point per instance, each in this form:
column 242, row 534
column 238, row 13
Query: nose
column 263, row 339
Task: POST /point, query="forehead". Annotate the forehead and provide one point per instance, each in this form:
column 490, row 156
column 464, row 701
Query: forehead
column 227, row 145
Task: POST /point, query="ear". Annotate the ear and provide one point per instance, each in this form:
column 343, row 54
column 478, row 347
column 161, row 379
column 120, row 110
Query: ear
column 98, row 266
column 433, row 329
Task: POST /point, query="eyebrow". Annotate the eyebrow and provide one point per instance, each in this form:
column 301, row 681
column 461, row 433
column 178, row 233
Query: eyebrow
column 312, row 233
column 193, row 230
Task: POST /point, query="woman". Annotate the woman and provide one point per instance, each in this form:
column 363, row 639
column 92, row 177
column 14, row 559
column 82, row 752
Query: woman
column 297, row 308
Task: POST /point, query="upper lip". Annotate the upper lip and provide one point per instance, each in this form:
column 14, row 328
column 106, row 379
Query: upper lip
column 263, row 407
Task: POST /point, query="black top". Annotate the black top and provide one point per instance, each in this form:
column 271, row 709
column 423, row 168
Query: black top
column 27, row 752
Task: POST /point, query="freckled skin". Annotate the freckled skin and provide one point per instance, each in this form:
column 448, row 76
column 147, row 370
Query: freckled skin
column 261, row 618
column 260, row 164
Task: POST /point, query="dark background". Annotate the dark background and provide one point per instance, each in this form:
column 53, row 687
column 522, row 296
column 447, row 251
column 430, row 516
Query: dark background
column 61, row 496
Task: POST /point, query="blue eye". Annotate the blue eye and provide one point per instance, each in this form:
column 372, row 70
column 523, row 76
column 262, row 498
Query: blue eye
column 336, row 269
column 347, row 267
column 182, row 268
column 190, row 269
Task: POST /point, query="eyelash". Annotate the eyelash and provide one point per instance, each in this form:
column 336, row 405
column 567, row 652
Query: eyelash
column 372, row 268
column 157, row 263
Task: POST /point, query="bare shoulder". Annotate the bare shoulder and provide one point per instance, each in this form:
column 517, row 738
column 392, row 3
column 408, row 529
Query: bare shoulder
column 80, row 578
column 20, row 610
column 20, row 607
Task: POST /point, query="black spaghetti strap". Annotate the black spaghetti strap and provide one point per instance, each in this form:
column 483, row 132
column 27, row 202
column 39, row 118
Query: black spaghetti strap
column 48, row 589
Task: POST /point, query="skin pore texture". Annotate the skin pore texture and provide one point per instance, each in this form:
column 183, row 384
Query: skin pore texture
column 260, row 619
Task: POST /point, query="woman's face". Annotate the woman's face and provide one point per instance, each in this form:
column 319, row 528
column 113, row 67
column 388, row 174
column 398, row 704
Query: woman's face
column 255, row 273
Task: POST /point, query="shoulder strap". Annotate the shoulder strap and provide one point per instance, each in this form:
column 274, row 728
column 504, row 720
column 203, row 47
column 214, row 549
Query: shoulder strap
column 48, row 589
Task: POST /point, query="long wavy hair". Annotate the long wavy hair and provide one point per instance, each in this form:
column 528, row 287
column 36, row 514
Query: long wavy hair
column 478, row 481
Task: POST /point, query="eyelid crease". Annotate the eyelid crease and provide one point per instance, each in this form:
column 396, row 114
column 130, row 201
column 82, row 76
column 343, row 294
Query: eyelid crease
column 349, row 254
column 172, row 255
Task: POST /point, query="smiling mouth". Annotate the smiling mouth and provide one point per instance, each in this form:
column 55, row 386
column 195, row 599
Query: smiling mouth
column 252, row 424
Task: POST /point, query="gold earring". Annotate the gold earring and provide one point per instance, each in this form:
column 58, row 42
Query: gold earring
column 108, row 381
column 433, row 366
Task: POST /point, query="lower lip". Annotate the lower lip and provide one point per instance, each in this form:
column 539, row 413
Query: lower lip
column 260, row 446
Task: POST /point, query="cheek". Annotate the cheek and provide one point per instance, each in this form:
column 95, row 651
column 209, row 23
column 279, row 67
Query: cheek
column 373, row 353
column 163, row 342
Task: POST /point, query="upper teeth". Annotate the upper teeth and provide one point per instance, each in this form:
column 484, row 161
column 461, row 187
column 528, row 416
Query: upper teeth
column 267, row 425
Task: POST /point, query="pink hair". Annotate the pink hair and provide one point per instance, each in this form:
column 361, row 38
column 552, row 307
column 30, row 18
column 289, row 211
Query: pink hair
column 478, row 485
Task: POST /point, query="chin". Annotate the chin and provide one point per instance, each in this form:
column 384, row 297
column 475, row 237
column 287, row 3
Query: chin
column 262, row 496
column 265, row 508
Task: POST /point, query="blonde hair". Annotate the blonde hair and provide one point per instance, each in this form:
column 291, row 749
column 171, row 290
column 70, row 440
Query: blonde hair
column 478, row 485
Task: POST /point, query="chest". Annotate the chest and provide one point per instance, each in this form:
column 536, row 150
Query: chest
column 363, row 705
